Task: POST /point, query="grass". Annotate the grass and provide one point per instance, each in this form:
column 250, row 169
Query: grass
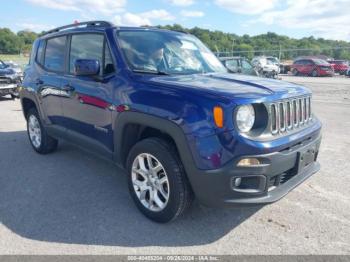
column 18, row 59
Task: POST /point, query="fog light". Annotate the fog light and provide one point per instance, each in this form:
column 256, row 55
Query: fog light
column 249, row 162
column 238, row 181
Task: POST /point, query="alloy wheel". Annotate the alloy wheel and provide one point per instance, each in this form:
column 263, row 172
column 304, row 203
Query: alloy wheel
column 150, row 182
column 34, row 131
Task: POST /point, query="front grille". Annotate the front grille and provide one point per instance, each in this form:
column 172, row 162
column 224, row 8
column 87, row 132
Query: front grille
column 290, row 114
column 5, row 80
column 278, row 180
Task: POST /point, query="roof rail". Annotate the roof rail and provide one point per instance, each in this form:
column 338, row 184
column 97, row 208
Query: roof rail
column 87, row 24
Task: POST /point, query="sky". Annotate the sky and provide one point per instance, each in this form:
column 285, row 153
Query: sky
column 329, row 19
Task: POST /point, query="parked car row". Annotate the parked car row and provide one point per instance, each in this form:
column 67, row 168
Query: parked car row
column 312, row 67
column 10, row 77
column 260, row 66
column 269, row 66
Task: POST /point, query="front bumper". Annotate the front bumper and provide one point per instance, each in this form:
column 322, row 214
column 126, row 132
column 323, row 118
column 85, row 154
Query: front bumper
column 279, row 173
column 8, row 89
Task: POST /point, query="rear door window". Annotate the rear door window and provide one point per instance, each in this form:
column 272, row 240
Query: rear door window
column 55, row 53
column 232, row 65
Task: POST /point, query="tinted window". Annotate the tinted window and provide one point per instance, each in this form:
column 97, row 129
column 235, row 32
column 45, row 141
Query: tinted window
column 246, row 65
column 40, row 52
column 232, row 65
column 85, row 46
column 300, row 62
column 309, row 62
column 108, row 64
column 2, row 65
column 54, row 53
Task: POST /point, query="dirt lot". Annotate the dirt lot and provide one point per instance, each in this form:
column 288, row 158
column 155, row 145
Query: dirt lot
column 71, row 202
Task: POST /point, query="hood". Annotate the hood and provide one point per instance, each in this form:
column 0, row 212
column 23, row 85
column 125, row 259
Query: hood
column 233, row 85
column 6, row 71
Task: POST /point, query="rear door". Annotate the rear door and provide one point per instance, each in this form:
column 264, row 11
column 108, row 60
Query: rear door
column 88, row 102
column 50, row 62
column 309, row 66
column 300, row 66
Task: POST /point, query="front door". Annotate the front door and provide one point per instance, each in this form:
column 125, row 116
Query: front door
column 87, row 108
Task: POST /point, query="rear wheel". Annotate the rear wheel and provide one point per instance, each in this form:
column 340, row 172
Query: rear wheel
column 38, row 137
column 295, row 72
column 157, row 181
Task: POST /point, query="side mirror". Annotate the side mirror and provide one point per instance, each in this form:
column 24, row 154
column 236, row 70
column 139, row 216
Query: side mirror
column 86, row 67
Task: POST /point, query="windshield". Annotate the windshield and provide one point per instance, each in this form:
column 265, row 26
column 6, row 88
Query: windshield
column 2, row 65
column 320, row 62
column 167, row 53
column 274, row 60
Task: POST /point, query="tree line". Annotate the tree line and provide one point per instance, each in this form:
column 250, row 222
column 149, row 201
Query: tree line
column 281, row 46
column 218, row 41
column 15, row 43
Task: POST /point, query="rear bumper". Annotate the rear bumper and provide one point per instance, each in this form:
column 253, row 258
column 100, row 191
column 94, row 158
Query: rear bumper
column 279, row 173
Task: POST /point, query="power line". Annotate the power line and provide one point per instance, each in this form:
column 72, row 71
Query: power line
column 286, row 50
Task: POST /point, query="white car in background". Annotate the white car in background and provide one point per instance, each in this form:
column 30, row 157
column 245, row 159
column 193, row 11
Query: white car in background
column 265, row 67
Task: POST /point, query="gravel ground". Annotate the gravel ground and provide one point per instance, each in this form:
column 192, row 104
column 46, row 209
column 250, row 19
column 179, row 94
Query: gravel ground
column 72, row 202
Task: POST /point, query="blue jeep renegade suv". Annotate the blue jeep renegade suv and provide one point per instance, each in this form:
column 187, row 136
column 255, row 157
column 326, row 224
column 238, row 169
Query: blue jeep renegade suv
column 159, row 104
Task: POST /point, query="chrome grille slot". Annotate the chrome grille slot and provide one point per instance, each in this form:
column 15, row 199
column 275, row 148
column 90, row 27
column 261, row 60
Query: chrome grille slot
column 282, row 117
column 274, row 125
column 306, row 110
column 295, row 113
column 310, row 112
column 289, row 114
column 301, row 111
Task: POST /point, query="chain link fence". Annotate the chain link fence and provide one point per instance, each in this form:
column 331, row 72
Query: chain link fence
column 18, row 59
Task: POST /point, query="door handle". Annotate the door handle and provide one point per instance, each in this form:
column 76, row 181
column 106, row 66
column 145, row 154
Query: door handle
column 39, row 82
column 68, row 88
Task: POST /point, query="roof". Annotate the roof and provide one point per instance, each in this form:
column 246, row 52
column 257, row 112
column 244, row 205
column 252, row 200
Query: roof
column 98, row 26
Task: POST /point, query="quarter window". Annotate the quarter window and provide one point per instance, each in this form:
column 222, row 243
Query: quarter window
column 54, row 53
column 40, row 52
column 108, row 67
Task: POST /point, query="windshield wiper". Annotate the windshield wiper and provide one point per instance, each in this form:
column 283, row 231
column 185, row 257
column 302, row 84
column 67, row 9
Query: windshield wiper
column 154, row 72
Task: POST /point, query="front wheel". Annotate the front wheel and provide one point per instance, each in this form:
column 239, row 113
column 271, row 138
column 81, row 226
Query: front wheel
column 314, row 73
column 157, row 181
column 38, row 137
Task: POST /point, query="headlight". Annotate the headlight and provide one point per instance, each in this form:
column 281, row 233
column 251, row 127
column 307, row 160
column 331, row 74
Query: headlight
column 245, row 118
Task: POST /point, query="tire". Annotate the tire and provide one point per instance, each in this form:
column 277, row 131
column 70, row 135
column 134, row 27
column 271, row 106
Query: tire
column 176, row 196
column 295, row 72
column 38, row 137
column 314, row 73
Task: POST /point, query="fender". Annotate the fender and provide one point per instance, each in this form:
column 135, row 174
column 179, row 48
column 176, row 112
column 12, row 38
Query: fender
column 30, row 95
column 164, row 125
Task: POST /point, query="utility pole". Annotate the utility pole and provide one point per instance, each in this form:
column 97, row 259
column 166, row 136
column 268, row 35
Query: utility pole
column 233, row 44
column 280, row 53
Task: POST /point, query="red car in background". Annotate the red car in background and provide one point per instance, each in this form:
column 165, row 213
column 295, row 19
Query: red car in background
column 312, row 67
column 340, row 66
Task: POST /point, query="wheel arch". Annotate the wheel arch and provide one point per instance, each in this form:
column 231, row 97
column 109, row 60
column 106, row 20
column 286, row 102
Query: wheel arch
column 131, row 127
column 27, row 104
